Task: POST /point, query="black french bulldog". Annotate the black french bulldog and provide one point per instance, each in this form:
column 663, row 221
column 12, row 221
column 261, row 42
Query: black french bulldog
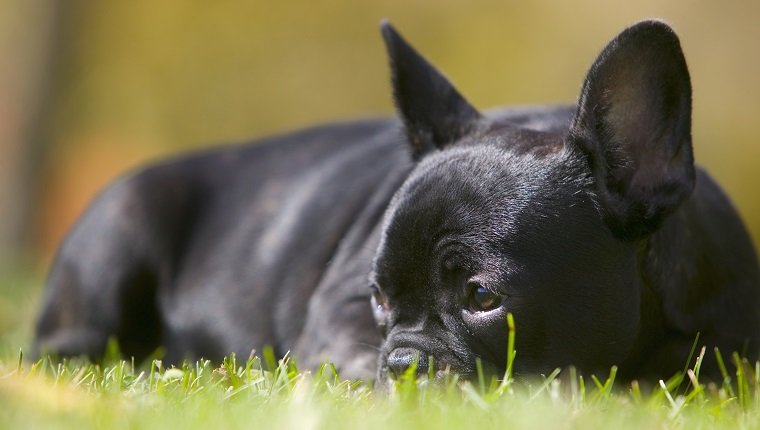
column 589, row 223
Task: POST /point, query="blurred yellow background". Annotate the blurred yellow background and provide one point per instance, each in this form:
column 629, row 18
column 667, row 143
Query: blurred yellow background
column 90, row 88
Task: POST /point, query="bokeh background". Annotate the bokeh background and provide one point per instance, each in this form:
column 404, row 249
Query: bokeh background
column 92, row 88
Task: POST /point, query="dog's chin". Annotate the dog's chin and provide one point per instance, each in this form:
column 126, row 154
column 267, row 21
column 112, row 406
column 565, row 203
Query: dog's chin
column 441, row 376
column 385, row 383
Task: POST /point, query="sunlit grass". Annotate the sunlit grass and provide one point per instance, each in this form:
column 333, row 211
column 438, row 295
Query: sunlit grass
column 261, row 391
column 119, row 394
column 251, row 392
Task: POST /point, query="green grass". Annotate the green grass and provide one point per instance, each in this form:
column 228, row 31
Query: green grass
column 256, row 393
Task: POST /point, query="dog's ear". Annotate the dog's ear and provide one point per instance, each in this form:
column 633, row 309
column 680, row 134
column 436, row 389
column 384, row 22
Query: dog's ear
column 433, row 111
column 634, row 125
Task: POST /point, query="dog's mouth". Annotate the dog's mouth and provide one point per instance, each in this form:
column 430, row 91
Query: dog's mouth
column 438, row 376
column 406, row 362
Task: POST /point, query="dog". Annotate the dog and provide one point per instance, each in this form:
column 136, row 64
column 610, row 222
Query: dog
column 376, row 244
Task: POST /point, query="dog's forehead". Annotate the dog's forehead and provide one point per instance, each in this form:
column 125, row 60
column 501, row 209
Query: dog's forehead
column 485, row 180
column 477, row 193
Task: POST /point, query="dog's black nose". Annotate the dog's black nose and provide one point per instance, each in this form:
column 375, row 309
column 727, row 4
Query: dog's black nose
column 400, row 359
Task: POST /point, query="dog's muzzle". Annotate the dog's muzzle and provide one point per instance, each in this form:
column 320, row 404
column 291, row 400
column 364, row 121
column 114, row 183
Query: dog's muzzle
column 401, row 359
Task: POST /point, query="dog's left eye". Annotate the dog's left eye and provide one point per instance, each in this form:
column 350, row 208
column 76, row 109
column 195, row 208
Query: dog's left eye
column 482, row 299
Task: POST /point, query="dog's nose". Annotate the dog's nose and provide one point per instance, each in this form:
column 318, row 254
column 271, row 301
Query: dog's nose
column 400, row 359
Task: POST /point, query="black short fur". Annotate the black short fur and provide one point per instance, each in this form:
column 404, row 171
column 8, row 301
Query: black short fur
column 589, row 223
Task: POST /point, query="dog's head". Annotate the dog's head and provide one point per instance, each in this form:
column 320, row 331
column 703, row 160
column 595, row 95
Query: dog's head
column 543, row 222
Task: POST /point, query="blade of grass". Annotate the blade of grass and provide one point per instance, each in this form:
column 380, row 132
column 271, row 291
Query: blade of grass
column 724, row 372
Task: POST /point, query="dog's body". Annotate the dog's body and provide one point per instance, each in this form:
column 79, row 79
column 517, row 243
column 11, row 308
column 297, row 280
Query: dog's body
column 578, row 220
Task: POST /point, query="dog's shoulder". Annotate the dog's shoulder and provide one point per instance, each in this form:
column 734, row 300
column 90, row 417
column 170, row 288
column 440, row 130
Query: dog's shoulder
column 704, row 268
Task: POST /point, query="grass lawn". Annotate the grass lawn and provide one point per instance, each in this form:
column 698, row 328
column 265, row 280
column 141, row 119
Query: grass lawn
column 243, row 393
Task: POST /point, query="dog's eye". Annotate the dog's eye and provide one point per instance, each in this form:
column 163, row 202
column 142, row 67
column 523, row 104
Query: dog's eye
column 379, row 310
column 379, row 304
column 481, row 298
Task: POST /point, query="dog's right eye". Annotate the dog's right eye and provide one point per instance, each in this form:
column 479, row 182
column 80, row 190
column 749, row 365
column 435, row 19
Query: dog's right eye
column 379, row 303
column 379, row 309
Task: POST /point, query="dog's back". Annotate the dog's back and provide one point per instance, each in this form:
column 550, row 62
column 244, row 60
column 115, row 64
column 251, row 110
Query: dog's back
column 194, row 253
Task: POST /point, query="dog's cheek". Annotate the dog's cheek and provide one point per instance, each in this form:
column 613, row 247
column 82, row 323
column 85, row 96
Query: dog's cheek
column 382, row 368
column 530, row 316
column 489, row 331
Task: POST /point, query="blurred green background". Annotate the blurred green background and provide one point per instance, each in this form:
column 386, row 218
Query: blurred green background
column 90, row 88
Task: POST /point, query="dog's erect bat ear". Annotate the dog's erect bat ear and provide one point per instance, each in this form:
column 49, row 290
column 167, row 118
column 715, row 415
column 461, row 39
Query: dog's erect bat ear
column 634, row 125
column 433, row 111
